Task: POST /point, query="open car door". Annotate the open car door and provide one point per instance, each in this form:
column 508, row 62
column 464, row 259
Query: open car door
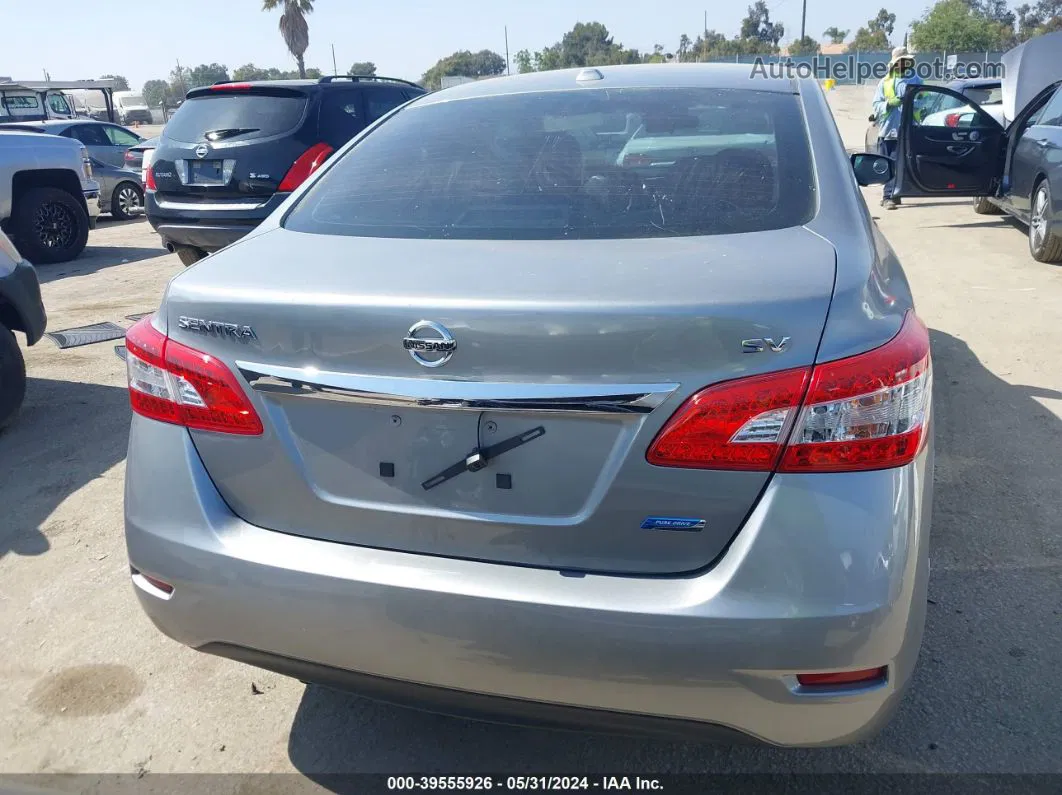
column 962, row 155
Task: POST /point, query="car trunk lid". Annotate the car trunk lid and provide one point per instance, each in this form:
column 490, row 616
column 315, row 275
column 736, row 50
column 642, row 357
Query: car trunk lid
column 586, row 347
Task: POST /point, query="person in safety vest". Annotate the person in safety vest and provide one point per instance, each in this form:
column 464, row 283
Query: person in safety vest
column 887, row 101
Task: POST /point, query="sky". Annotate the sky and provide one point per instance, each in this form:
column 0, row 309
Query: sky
column 80, row 39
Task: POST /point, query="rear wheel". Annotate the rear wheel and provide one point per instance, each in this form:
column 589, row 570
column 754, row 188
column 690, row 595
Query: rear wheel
column 127, row 201
column 1044, row 245
column 51, row 226
column 982, row 206
column 12, row 377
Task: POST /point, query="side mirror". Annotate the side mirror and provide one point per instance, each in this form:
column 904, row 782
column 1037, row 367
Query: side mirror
column 872, row 118
column 872, row 169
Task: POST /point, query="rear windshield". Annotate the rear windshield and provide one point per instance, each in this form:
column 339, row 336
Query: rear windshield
column 986, row 95
column 232, row 115
column 592, row 163
column 133, row 99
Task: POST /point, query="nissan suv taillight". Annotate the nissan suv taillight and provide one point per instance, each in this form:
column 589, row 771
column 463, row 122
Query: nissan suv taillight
column 868, row 411
column 173, row 383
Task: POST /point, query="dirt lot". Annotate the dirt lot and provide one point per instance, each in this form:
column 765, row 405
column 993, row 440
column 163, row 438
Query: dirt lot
column 88, row 685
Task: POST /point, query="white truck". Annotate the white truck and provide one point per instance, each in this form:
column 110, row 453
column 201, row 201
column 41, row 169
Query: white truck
column 36, row 100
column 48, row 198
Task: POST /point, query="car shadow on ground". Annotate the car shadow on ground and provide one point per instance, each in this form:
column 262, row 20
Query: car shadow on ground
column 96, row 258
column 67, row 435
column 978, row 702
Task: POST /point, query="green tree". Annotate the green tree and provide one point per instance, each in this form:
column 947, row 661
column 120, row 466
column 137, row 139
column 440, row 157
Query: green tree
column 757, row 25
column 874, row 36
column 805, row 46
column 251, row 72
column 120, row 83
column 293, row 27
column 362, row 68
column 835, row 34
column 958, row 26
column 206, row 75
column 684, row 47
column 180, row 82
column 484, row 63
column 156, row 92
column 524, row 62
column 1035, row 20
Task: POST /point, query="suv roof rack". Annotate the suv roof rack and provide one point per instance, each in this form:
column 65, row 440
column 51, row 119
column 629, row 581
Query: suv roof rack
column 367, row 78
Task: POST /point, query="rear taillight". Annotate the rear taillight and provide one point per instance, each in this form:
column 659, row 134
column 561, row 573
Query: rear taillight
column 149, row 178
column 173, row 383
column 734, row 425
column 310, row 160
column 952, row 119
column 865, row 412
column 129, row 156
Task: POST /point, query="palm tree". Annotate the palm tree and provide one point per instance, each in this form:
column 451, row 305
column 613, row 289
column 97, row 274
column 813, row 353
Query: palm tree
column 293, row 27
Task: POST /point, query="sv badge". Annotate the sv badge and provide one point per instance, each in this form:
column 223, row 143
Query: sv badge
column 764, row 344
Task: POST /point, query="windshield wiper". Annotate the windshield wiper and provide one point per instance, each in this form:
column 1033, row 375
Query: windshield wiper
column 480, row 457
column 228, row 132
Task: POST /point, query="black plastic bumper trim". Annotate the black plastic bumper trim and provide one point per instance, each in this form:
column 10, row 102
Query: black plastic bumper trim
column 479, row 706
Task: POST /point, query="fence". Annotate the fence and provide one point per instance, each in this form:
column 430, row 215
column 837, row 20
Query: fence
column 863, row 67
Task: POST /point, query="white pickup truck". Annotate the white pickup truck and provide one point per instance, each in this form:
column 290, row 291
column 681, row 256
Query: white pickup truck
column 48, row 198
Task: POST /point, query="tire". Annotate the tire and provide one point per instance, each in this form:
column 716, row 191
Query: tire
column 189, row 256
column 982, row 206
column 127, row 201
column 12, row 377
column 1044, row 245
column 50, row 225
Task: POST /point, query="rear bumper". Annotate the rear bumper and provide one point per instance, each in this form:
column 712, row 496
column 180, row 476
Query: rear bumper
column 136, row 115
column 829, row 573
column 21, row 290
column 209, row 226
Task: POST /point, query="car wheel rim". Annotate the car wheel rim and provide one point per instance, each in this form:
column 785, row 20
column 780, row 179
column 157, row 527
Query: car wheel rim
column 1039, row 219
column 55, row 226
column 129, row 201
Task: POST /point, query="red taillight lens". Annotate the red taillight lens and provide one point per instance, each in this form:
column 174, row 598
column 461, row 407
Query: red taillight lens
column 865, row 412
column 734, row 425
column 231, row 87
column 308, row 162
column 952, row 119
column 868, row 411
column 171, row 382
column 865, row 676
column 149, row 178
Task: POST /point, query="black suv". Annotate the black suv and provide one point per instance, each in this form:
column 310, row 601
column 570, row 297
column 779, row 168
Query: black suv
column 234, row 151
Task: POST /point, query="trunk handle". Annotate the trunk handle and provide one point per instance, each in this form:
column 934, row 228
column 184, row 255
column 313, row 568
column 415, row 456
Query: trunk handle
column 470, row 395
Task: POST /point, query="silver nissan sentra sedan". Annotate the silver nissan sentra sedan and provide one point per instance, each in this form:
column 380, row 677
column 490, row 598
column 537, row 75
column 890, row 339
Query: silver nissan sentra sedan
column 585, row 398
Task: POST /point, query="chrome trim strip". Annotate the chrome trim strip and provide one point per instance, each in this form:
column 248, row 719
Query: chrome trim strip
column 471, row 395
column 167, row 204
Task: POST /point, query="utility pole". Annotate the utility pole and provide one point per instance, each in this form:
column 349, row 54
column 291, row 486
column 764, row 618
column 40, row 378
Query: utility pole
column 335, row 69
column 508, row 69
column 704, row 41
column 180, row 76
column 803, row 19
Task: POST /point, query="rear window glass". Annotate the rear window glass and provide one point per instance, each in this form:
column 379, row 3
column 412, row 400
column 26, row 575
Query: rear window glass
column 239, row 115
column 986, row 95
column 133, row 99
column 593, row 163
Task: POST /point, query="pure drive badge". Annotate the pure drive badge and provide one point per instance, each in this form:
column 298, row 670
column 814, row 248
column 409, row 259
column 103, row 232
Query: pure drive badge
column 672, row 523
